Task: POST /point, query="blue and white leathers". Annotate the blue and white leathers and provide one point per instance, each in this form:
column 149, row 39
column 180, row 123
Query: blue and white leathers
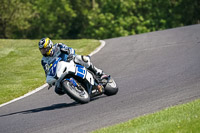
column 57, row 52
column 48, row 60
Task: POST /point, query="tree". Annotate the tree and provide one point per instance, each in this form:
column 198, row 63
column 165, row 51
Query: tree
column 14, row 16
column 54, row 19
column 97, row 19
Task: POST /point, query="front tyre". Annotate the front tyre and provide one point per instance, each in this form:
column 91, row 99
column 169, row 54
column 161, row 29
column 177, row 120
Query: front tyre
column 79, row 94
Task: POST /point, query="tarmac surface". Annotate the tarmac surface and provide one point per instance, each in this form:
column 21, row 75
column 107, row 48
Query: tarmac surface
column 153, row 71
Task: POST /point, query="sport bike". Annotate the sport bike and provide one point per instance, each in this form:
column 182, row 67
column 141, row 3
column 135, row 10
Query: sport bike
column 78, row 82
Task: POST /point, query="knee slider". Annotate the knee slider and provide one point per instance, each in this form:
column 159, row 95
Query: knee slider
column 86, row 59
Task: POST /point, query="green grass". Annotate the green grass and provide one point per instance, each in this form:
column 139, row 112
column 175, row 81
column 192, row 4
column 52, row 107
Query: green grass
column 20, row 64
column 178, row 119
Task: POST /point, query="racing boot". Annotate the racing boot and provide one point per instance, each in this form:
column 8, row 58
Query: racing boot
column 96, row 71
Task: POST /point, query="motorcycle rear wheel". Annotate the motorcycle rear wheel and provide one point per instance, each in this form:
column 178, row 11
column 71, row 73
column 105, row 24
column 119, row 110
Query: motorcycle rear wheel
column 111, row 87
column 80, row 95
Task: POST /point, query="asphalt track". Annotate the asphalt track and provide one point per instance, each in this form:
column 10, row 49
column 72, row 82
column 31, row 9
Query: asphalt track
column 153, row 71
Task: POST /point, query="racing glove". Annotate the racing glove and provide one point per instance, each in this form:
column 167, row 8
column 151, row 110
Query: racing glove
column 70, row 57
column 65, row 50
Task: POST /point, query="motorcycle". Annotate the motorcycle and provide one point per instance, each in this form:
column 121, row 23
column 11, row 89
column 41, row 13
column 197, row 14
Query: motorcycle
column 79, row 83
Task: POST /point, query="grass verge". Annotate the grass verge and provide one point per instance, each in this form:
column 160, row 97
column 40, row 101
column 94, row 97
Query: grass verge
column 20, row 64
column 178, row 119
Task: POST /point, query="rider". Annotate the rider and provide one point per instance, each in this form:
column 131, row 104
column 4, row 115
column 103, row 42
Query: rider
column 51, row 51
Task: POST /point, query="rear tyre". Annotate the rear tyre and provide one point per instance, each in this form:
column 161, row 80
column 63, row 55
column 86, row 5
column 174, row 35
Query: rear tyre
column 79, row 94
column 111, row 88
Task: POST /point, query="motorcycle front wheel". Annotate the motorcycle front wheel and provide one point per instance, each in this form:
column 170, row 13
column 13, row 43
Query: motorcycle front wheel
column 77, row 93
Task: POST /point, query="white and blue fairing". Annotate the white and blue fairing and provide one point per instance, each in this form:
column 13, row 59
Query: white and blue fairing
column 59, row 68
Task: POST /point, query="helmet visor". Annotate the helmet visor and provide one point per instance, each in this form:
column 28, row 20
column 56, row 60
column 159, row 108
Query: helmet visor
column 44, row 51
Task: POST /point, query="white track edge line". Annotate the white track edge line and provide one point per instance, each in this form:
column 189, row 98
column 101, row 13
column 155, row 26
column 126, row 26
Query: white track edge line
column 27, row 94
column 45, row 85
column 99, row 48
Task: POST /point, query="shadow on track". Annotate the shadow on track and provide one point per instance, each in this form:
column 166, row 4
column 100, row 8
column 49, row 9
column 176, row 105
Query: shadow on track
column 48, row 108
column 52, row 107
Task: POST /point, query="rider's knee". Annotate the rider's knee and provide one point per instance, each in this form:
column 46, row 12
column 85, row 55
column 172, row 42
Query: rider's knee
column 86, row 59
column 83, row 60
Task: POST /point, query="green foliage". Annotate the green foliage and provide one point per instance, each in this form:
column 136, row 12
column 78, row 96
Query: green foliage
column 14, row 15
column 53, row 19
column 93, row 19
